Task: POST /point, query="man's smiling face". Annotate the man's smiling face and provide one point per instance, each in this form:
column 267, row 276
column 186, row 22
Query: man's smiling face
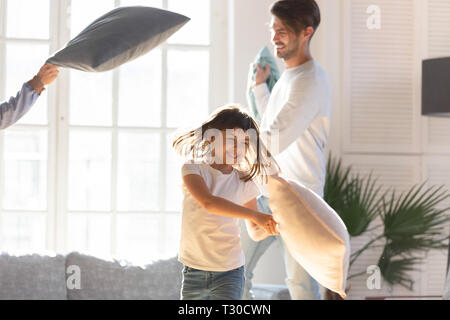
column 285, row 41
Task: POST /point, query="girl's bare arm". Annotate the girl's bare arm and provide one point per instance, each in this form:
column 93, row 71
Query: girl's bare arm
column 220, row 206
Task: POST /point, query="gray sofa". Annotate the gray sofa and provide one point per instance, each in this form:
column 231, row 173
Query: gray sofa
column 77, row 276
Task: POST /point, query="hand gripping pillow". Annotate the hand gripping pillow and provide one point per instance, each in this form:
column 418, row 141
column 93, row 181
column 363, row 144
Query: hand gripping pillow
column 117, row 37
column 263, row 58
column 312, row 231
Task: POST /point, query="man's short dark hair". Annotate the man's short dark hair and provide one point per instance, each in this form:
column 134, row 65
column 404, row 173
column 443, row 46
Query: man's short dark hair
column 297, row 15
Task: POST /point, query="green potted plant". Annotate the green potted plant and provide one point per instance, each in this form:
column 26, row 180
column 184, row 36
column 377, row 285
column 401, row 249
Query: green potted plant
column 407, row 226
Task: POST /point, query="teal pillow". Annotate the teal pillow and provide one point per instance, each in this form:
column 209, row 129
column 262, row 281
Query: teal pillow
column 264, row 57
column 119, row 36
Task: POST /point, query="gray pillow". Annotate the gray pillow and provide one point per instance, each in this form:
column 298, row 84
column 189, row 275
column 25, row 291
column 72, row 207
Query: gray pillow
column 117, row 37
column 119, row 280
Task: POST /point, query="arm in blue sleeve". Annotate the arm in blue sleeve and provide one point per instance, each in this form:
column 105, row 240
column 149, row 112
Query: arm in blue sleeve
column 16, row 107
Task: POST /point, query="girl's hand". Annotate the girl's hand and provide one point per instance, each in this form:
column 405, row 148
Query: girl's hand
column 266, row 221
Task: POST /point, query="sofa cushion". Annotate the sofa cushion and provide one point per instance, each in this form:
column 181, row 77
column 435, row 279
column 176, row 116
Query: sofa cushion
column 312, row 231
column 120, row 280
column 119, row 36
column 32, row 277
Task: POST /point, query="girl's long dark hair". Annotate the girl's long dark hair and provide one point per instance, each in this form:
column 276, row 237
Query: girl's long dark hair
column 193, row 145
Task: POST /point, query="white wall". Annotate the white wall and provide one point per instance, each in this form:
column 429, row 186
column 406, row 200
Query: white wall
column 250, row 30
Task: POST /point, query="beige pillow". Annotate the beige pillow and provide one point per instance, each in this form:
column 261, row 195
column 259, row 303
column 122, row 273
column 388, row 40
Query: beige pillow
column 312, row 231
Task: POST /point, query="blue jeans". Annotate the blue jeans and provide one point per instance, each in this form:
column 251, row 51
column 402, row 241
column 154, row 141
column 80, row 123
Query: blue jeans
column 212, row 285
column 301, row 285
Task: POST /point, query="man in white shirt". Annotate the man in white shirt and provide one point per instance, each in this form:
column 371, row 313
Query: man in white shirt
column 294, row 125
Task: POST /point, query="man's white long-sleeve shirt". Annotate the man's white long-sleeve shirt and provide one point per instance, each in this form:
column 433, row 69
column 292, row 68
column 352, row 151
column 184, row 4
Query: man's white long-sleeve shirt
column 295, row 123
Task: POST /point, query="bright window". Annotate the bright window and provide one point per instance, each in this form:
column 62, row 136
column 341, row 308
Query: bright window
column 91, row 168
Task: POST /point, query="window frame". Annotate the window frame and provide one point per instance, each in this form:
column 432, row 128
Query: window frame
column 58, row 126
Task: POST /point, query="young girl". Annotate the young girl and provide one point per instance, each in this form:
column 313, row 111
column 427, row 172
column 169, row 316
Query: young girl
column 225, row 155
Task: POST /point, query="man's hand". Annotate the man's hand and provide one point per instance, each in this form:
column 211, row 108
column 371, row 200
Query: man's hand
column 266, row 221
column 262, row 74
column 48, row 73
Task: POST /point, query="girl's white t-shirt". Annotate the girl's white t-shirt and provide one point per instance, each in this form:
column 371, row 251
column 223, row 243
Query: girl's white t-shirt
column 208, row 241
